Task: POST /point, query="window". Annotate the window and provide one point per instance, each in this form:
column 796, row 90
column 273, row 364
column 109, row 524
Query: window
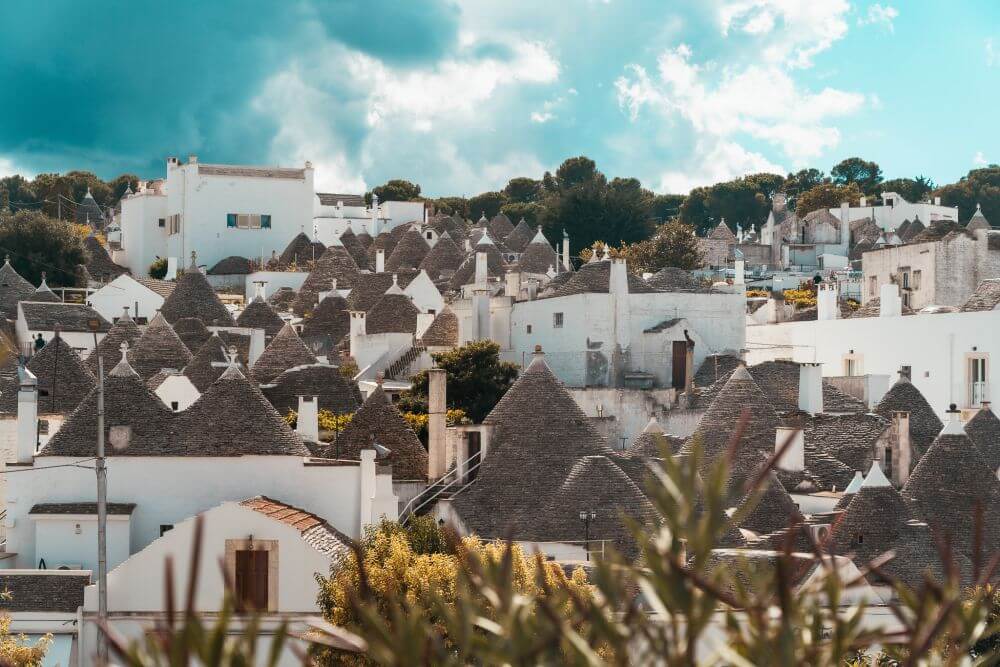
column 528, row 328
column 872, row 285
column 174, row 223
column 430, row 236
column 431, row 311
column 906, row 280
column 978, row 381
column 887, row 462
column 557, row 320
column 248, row 221
column 174, row 405
column 162, row 222
column 852, row 365
column 251, row 579
column 916, row 279
column 165, row 527
column 860, row 539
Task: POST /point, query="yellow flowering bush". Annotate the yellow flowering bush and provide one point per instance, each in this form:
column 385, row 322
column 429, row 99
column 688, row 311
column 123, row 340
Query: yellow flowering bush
column 800, row 298
column 16, row 649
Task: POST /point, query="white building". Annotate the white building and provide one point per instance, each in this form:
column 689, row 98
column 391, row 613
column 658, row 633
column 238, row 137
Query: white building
column 893, row 210
column 216, row 210
column 142, row 296
column 334, row 213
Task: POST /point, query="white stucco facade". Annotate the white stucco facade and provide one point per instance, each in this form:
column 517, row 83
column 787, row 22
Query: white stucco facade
column 892, row 210
column 111, row 299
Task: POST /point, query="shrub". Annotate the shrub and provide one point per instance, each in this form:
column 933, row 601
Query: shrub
column 158, row 269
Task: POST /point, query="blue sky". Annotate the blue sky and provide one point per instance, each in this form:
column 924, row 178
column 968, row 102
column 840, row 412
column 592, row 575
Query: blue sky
column 459, row 96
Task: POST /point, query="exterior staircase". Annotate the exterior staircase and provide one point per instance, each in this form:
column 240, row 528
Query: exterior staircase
column 398, row 368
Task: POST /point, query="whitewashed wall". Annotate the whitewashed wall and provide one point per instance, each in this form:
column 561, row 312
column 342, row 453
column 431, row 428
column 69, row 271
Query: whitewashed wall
column 123, row 291
column 143, row 240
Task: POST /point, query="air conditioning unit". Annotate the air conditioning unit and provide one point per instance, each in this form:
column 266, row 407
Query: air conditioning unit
column 819, row 532
column 68, row 566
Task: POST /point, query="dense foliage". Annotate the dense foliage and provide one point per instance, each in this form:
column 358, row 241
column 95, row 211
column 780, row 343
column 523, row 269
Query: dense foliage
column 672, row 244
column 158, row 268
column 476, row 378
column 57, row 195
column 39, row 244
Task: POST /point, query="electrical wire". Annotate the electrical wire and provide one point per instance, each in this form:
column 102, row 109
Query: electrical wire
column 75, row 464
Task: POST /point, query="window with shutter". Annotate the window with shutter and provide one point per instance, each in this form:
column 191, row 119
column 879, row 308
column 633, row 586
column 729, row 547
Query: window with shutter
column 230, row 220
column 251, row 580
column 255, row 221
column 265, row 222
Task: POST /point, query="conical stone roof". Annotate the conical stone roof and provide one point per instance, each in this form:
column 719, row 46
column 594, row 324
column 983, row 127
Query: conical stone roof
column 371, row 286
column 299, row 251
column 260, row 315
column 335, row 265
column 501, row 226
column 194, row 297
column 672, row 279
column 520, row 237
column 366, row 241
column 466, row 272
column 595, row 277
column 159, row 347
column 232, row 418
column 978, row 221
column 393, row 313
column 721, row 420
column 378, row 420
column 44, row 294
column 13, row 288
column 598, row 485
column 774, row 511
column 333, row 390
column 127, row 402
column 355, row 248
column 539, row 256
column 125, row 330
column 444, row 256
column 208, row 363
column 945, row 488
column 88, row 212
column 63, row 379
column 409, row 252
column 286, row 350
column 192, row 332
column 330, row 318
column 99, row 265
column 875, row 518
column 984, row 431
column 282, row 298
column 913, row 231
column 539, row 434
column 924, row 422
column 443, row 331
column 651, row 442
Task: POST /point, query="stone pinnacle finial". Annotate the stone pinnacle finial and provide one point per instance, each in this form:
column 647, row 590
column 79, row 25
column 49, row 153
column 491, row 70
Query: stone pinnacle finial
column 379, row 379
column 194, row 258
column 124, row 348
column 231, row 356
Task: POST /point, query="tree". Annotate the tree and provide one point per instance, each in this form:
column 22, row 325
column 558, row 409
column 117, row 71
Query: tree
column 743, row 201
column 476, row 378
column 665, row 207
column 37, row 243
column 673, row 244
column 120, row 184
column 827, row 195
column 15, row 650
column 576, row 171
column 522, row 190
column 979, row 186
column 530, row 212
column 452, row 206
column 17, row 190
column 395, row 190
column 486, row 203
column 801, row 181
column 865, row 174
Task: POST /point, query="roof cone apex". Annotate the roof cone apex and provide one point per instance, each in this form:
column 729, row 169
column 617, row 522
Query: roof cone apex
column 539, row 237
column 855, row 483
column 953, row 427
column 876, row 478
column 741, row 373
column 123, row 368
column 653, row 426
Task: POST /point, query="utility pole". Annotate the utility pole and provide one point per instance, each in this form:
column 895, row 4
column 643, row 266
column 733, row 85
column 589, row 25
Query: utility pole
column 102, row 507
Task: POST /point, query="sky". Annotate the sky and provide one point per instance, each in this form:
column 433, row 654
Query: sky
column 460, row 95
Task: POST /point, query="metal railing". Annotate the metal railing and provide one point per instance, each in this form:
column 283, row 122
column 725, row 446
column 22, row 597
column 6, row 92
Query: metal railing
column 978, row 392
column 422, row 499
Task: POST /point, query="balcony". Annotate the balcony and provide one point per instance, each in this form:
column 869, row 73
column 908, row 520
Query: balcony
column 978, row 392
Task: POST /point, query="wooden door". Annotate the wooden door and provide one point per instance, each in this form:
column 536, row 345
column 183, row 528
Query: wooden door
column 679, row 364
column 251, row 580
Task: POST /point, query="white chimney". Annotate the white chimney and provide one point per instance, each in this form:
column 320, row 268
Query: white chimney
column 357, row 330
column 380, row 261
column 811, row 388
column 794, row 456
column 480, row 314
column 171, row 268
column 845, row 224
column 739, row 272
column 513, row 285
column 937, row 201
column 307, row 422
column 826, row 302
column 565, row 251
column 375, row 220
column 257, row 345
column 863, row 202
column 890, row 303
column 901, row 457
column 437, row 441
column 367, row 491
column 481, row 268
column 27, row 415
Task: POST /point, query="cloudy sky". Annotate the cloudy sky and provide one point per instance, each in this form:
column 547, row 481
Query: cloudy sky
column 461, row 95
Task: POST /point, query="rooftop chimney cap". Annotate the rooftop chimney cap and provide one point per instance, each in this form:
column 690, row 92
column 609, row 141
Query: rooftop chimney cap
column 538, row 351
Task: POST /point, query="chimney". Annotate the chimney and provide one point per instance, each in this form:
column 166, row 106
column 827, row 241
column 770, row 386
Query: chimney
column 890, row 303
column 826, row 302
column 937, row 201
column 357, row 330
column 565, row 251
column 513, row 285
column 794, row 457
column 811, row 388
column 380, row 261
column 257, row 345
column 863, row 202
column 532, row 290
column 481, row 269
column 375, row 220
column 902, row 447
column 367, row 491
column 192, row 159
column 905, row 373
column 740, row 270
column 437, row 435
column 171, row 268
column 171, row 162
column 27, row 415
column 307, row 423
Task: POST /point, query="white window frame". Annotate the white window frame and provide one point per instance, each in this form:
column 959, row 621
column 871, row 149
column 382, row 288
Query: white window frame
column 977, row 377
column 558, row 320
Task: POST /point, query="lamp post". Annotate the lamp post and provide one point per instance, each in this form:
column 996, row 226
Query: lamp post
column 587, row 516
column 102, row 509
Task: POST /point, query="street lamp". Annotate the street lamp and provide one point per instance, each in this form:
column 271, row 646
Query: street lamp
column 587, row 516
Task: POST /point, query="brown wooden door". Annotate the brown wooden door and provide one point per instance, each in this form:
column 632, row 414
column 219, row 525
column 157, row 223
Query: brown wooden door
column 679, row 364
column 251, row 580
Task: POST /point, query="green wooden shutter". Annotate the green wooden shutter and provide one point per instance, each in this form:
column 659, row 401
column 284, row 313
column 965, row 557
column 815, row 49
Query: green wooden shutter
column 265, row 222
column 230, row 220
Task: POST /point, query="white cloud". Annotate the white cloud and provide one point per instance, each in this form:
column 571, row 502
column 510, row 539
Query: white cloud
column 992, row 55
column 9, row 168
column 793, row 31
column 880, row 15
column 718, row 160
column 979, row 159
column 549, row 107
